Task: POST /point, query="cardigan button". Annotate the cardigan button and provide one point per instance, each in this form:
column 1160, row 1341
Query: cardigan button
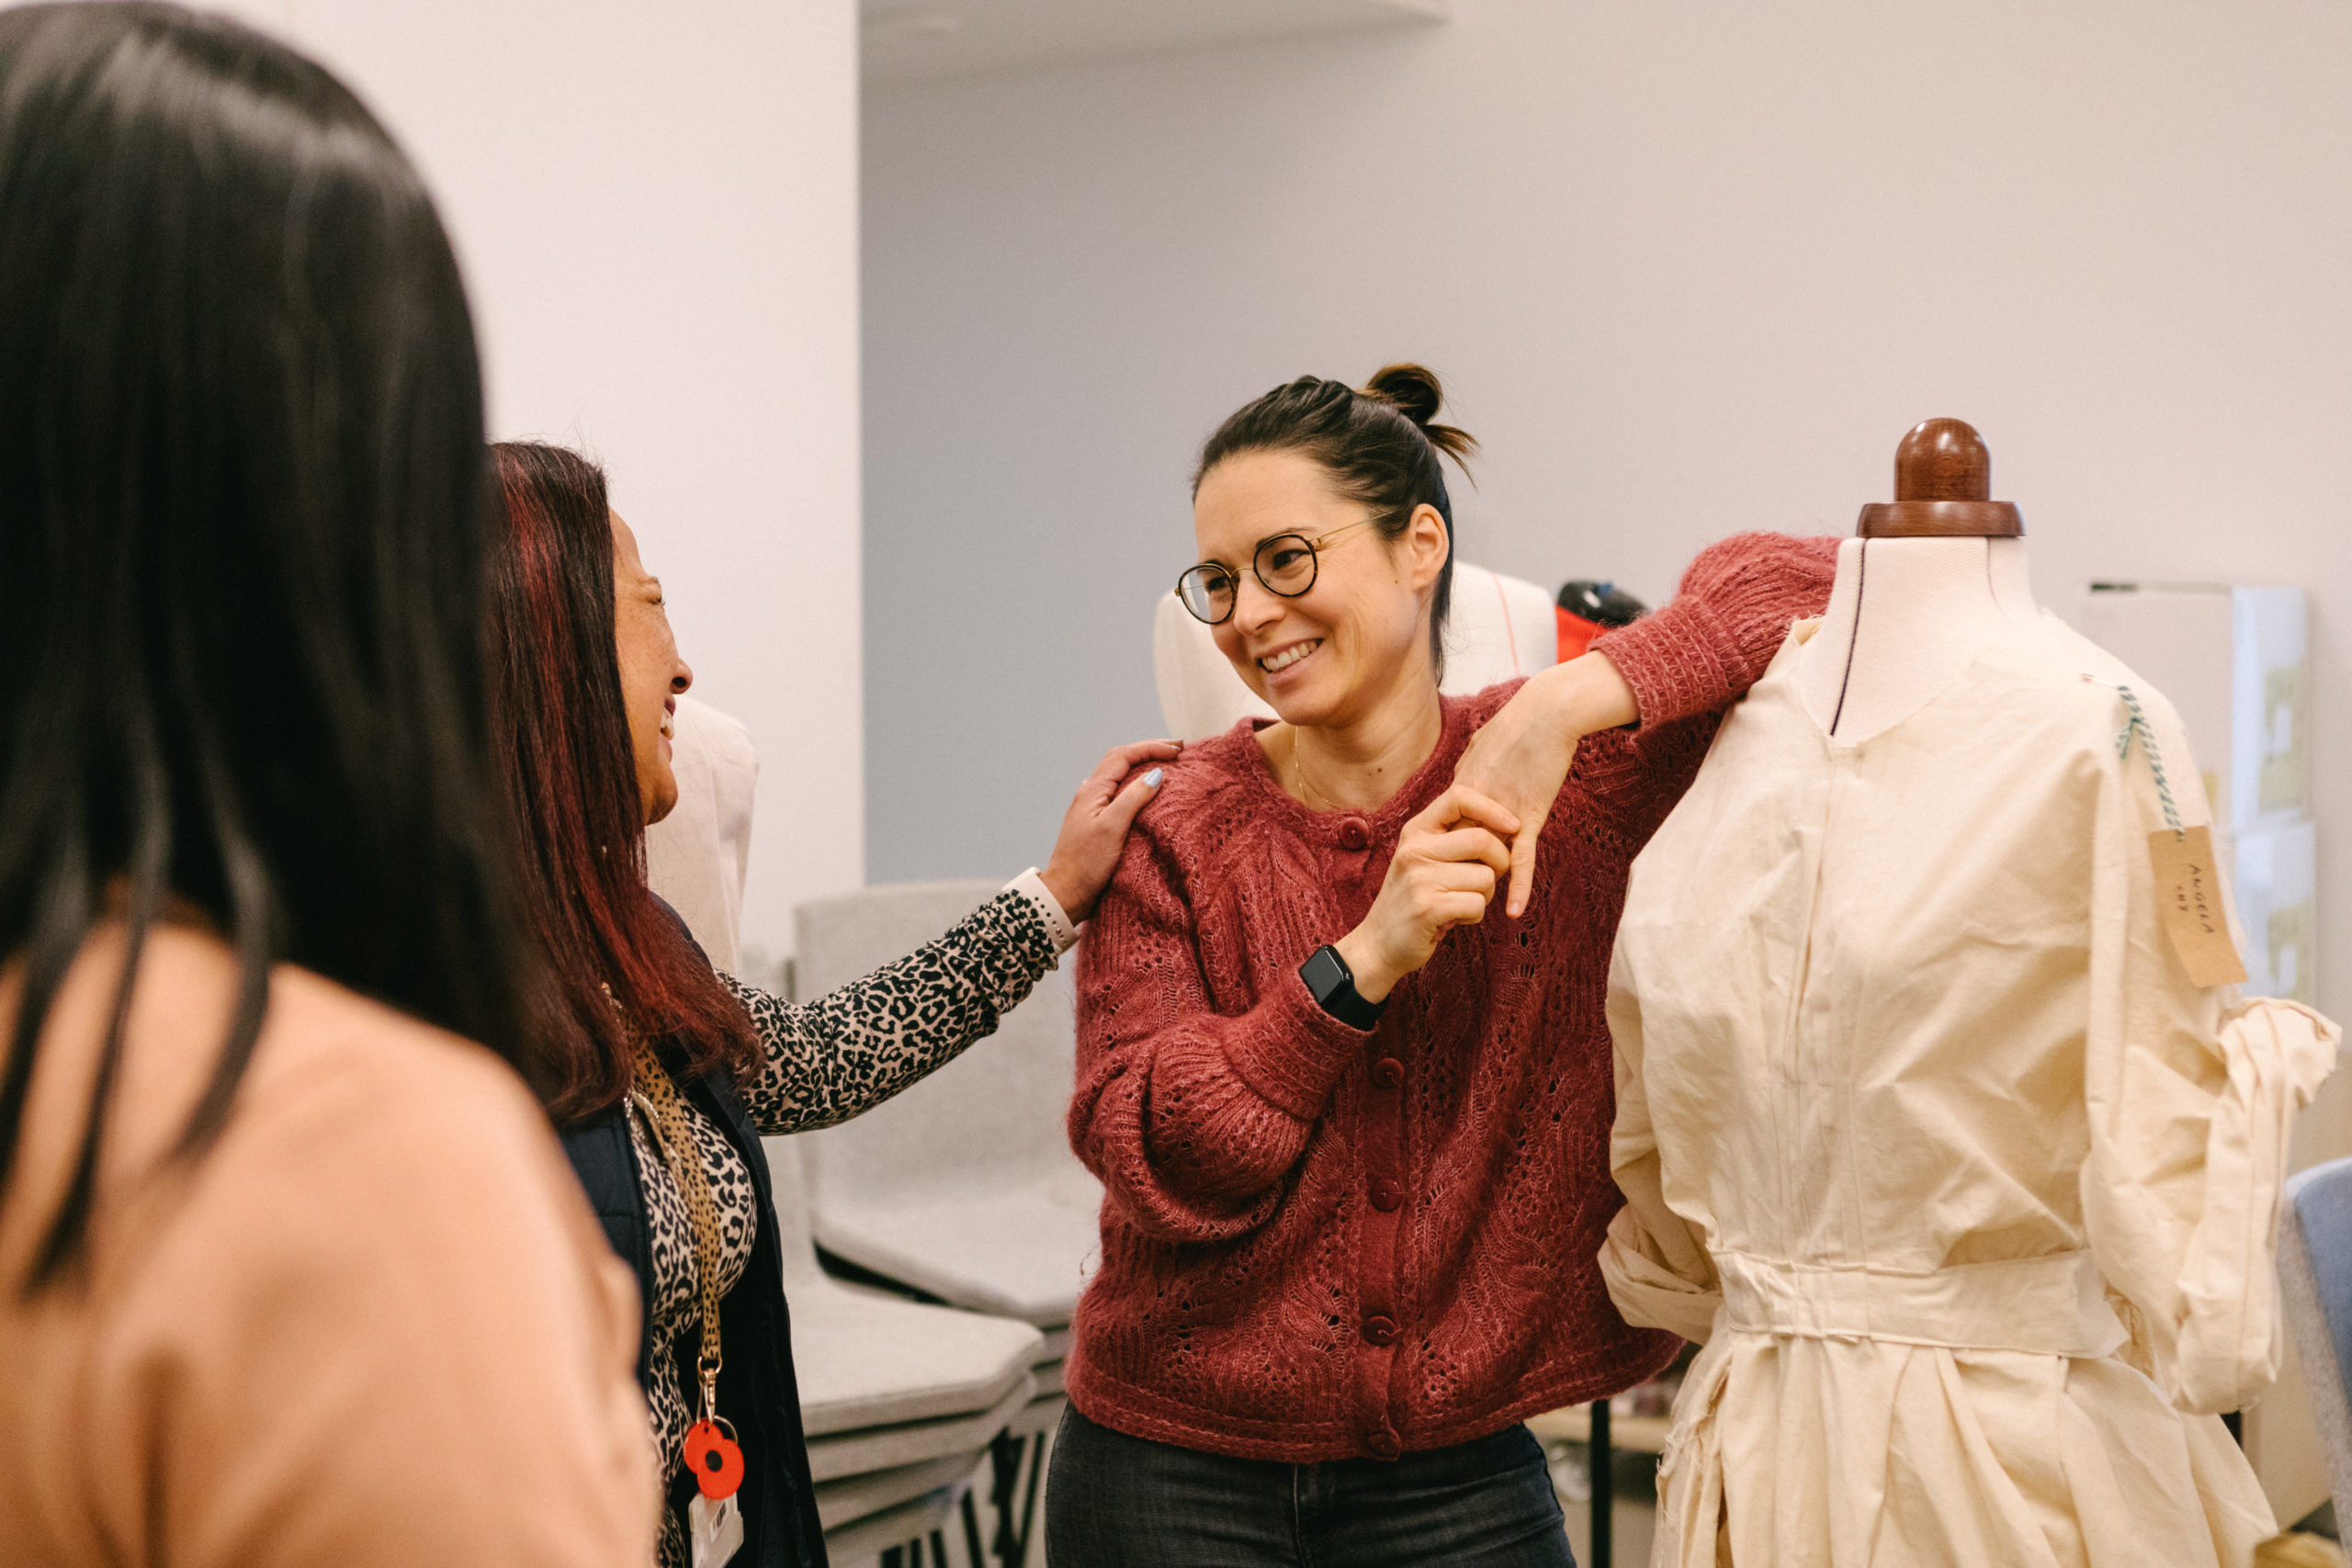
column 1384, row 1445
column 1386, row 1193
column 1353, row 834
column 1380, row 1330
column 1389, row 1072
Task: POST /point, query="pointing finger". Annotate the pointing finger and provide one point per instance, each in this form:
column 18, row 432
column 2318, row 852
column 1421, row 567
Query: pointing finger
column 1522, row 873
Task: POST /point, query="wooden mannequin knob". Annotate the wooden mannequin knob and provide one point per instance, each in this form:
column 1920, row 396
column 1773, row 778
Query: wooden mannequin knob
column 1943, row 489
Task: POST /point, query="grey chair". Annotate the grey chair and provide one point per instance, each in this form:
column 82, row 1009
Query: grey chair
column 963, row 1189
column 2315, row 1290
column 901, row 1401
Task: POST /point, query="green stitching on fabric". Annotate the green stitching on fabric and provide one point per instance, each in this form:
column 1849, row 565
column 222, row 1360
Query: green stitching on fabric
column 2138, row 724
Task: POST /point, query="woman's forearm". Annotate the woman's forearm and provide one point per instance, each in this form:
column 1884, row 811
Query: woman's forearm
column 1586, row 695
column 1192, row 1116
column 845, row 1053
column 1726, row 622
column 1193, row 1145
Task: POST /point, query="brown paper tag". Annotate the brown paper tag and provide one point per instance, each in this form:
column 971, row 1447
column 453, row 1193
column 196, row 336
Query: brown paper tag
column 2191, row 893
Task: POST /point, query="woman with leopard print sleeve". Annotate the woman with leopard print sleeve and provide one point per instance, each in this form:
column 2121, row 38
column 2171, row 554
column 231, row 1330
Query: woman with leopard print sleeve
column 671, row 1073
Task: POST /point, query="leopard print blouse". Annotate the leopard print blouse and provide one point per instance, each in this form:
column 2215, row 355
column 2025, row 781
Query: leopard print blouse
column 827, row 1060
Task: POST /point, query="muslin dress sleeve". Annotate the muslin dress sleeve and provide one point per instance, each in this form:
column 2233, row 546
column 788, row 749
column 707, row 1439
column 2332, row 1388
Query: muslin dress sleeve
column 2191, row 1094
column 1653, row 1261
column 845, row 1053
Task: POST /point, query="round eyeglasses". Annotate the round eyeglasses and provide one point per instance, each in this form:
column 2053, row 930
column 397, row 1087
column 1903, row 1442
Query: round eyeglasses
column 1286, row 564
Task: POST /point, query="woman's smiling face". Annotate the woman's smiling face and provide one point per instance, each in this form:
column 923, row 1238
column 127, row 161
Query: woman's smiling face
column 651, row 672
column 1326, row 657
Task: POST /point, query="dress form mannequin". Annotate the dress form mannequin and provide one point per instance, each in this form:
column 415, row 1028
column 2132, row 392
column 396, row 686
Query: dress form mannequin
column 1923, row 584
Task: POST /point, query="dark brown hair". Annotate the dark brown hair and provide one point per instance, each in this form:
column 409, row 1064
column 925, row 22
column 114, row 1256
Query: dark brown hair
column 1380, row 444
column 568, row 780
column 242, row 508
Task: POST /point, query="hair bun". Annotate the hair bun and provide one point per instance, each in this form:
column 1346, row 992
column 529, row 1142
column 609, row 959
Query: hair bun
column 1413, row 392
column 1413, row 389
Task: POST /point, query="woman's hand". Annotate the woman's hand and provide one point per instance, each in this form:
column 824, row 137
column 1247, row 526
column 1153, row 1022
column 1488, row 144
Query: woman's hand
column 1095, row 829
column 1449, row 861
column 1520, row 758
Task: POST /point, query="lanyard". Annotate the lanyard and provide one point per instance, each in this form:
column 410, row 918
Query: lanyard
column 711, row 1450
column 672, row 1123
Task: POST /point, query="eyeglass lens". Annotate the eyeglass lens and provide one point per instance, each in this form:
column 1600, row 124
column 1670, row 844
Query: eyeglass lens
column 1285, row 564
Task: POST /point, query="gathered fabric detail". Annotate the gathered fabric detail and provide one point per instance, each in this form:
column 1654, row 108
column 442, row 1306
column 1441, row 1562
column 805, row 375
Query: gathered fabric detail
column 2052, row 1305
column 1884, row 1454
column 2227, row 1337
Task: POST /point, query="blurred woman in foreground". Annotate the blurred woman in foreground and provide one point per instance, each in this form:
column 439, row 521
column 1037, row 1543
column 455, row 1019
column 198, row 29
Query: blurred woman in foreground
column 291, row 1268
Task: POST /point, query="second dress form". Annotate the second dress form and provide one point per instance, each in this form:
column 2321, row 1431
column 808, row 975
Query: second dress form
column 1905, row 617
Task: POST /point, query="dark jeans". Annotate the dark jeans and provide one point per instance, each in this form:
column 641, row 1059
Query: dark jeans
column 1112, row 1501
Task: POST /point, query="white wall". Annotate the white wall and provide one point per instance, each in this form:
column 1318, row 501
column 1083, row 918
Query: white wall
column 1688, row 268
column 656, row 207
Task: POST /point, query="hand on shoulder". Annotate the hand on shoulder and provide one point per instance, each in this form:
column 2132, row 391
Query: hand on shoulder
column 1095, row 829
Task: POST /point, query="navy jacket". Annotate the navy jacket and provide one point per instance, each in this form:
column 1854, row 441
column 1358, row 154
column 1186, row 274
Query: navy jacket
column 757, row 1391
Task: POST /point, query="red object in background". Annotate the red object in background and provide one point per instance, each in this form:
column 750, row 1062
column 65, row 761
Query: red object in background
column 1587, row 609
column 1576, row 633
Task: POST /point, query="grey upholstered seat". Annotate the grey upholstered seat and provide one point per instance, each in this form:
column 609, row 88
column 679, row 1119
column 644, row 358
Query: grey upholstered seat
column 851, row 1498
column 963, row 1187
column 909, row 1521
column 869, row 1359
column 901, row 1400
column 2316, row 1277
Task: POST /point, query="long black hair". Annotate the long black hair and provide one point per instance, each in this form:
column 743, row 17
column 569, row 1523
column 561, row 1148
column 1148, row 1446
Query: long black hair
column 1380, row 443
column 242, row 532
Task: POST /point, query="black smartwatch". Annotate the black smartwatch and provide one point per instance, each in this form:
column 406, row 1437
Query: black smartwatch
column 1333, row 985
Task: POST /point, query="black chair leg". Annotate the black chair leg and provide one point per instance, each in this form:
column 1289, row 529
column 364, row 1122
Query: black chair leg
column 1029, row 1504
column 1004, row 1476
column 1604, row 1487
column 972, row 1530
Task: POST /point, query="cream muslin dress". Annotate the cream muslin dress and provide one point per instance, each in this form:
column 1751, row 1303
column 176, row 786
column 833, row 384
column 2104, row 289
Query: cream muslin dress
column 1926, row 1133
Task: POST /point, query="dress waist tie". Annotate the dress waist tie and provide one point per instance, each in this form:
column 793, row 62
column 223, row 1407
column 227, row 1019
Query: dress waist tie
column 2054, row 1305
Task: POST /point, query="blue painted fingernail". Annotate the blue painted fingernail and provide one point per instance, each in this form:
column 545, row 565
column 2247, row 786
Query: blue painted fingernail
column 1151, row 779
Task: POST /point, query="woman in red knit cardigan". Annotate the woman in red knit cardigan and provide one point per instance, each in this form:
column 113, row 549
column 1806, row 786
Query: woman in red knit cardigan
column 1353, row 1126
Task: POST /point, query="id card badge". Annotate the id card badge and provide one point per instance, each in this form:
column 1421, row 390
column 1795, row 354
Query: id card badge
column 714, row 1519
column 715, row 1530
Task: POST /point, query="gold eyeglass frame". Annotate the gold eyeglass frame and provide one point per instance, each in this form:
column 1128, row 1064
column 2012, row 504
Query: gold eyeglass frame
column 1258, row 571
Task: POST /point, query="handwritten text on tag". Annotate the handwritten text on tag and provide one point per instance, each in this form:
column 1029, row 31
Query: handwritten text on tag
column 2189, row 893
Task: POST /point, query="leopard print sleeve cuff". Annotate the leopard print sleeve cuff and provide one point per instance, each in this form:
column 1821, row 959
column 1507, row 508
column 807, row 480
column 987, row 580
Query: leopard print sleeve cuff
column 1032, row 885
column 831, row 1059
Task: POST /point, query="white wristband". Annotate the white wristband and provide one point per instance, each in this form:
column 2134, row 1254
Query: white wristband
column 1057, row 924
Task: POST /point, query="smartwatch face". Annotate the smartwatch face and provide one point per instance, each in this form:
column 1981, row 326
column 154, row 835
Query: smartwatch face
column 1324, row 974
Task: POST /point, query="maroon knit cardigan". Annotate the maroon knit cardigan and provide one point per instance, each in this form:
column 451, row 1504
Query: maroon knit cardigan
column 1319, row 1243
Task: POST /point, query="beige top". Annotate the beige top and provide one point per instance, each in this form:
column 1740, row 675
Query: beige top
column 1925, row 1130
column 377, row 1324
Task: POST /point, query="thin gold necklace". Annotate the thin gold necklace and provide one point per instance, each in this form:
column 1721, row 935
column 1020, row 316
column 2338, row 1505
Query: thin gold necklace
column 1298, row 772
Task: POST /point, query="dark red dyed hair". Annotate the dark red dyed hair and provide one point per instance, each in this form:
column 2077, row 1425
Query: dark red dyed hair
column 569, row 780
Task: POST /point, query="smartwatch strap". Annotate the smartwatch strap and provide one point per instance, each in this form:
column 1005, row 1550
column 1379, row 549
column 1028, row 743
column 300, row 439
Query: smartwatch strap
column 1333, row 985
